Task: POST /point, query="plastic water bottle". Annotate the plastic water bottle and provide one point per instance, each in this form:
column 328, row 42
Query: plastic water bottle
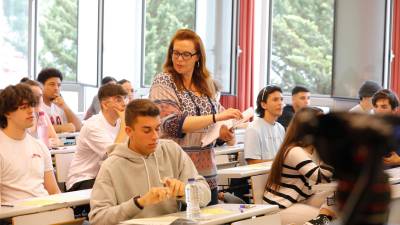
column 192, row 199
column 43, row 129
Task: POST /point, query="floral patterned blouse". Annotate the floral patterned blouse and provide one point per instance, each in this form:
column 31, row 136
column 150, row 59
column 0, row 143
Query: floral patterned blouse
column 175, row 106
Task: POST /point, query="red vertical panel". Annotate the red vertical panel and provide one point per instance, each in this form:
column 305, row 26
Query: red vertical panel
column 395, row 80
column 244, row 98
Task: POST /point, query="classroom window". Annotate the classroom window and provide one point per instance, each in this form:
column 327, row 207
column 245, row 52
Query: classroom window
column 302, row 44
column 162, row 20
column 14, row 23
column 122, row 40
column 57, row 36
column 216, row 25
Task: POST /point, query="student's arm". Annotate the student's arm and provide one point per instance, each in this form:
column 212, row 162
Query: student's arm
column 103, row 202
column 50, row 183
column 300, row 159
column 66, row 127
column 71, row 117
column 121, row 136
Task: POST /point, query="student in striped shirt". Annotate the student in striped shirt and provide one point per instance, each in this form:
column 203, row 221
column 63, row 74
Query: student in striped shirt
column 296, row 168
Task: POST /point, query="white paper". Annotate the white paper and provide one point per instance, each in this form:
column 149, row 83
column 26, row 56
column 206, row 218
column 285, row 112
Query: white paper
column 152, row 221
column 213, row 133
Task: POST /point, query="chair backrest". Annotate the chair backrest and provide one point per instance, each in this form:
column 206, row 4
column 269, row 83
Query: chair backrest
column 63, row 160
column 273, row 219
column 258, row 187
column 45, row 218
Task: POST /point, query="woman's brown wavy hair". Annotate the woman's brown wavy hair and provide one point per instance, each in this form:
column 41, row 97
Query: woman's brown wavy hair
column 201, row 76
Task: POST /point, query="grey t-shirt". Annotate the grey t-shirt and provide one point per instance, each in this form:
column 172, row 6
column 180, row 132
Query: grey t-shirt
column 262, row 139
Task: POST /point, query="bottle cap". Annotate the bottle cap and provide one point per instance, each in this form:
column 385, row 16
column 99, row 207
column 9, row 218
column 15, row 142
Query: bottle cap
column 41, row 113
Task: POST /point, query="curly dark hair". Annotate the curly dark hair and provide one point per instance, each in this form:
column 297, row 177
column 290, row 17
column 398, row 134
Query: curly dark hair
column 12, row 97
column 48, row 73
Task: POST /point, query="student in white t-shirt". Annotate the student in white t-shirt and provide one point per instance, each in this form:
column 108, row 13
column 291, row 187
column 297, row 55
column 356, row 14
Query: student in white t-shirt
column 97, row 133
column 264, row 135
column 26, row 168
column 61, row 116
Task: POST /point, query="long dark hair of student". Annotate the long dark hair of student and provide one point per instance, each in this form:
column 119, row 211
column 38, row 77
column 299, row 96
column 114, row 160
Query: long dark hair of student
column 292, row 139
column 201, row 76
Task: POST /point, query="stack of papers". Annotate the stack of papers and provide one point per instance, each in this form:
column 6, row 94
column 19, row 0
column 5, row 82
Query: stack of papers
column 213, row 133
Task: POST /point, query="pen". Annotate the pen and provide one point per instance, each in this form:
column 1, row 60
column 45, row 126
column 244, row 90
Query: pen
column 5, row 205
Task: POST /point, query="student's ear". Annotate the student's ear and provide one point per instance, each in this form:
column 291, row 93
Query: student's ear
column 264, row 105
column 128, row 130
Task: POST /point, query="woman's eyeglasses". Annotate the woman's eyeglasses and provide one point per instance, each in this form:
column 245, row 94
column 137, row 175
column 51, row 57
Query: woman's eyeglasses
column 184, row 55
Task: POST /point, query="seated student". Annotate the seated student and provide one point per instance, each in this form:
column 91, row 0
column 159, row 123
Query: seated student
column 94, row 108
column 36, row 88
column 126, row 84
column 264, row 135
column 97, row 134
column 144, row 177
column 366, row 91
column 61, row 116
column 300, row 99
column 386, row 102
column 26, row 169
column 295, row 169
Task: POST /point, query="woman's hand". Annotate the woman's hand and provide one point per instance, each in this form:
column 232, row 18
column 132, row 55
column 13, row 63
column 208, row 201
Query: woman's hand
column 229, row 114
column 226, row 134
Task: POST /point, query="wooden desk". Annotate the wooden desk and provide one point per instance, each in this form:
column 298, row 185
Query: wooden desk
column 226, row 150
column 245, row 171
column 47, row 203
column 225, row 213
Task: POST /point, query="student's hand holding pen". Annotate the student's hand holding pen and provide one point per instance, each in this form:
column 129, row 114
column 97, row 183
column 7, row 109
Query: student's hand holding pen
column 154, row 196
column 176, row 187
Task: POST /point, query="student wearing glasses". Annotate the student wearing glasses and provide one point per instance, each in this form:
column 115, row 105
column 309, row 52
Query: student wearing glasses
column 97, row 134
column 186, row 96
column 264, row 135
column 26, row 169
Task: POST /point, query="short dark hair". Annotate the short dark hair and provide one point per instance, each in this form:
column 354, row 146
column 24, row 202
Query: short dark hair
column 48, row 73
column 299, row 89
column 140, row 107
column 31, row 82
column 110, row 90
column 123, row 81
column 12, row 97
column 263, row 96
column 107, row 80
column 386, row 94
column 24, row 79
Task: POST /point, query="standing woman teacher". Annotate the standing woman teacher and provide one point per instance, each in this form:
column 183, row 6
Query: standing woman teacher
column 185, row 94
